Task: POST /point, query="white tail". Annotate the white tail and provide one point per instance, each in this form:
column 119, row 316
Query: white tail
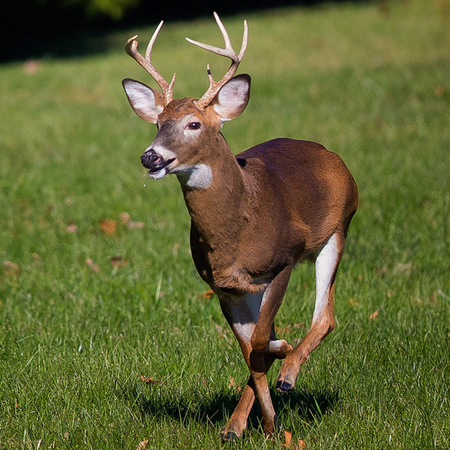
column 254, row 217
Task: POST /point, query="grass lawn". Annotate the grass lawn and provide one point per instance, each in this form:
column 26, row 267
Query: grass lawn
column 106, row 337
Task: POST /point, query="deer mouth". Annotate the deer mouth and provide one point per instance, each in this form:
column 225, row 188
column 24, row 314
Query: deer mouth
column 157, row 165
column 160, row 166
column 161, row 169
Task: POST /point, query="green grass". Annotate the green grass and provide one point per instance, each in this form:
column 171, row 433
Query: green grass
column 369, row 81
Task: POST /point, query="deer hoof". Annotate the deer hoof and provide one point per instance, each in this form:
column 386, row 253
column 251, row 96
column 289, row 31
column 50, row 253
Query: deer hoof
column 232, row 431
column 228, row 436
column 284, row 386
column 285, row 381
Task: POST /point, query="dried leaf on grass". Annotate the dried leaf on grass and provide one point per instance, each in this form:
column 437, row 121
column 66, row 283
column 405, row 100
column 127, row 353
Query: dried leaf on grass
column 150, row 380
column 222, row 332
column 232, row 384
column 142, row 445
column 439, row 91
column 108, row 226
column 118, row 262
column 374, row 315
column 287, row 439
column 403, row 267
column 125, row 220
column 71, row 228
column 207, row 294
column 135, row 225
column 92, row 265
column 289, row 444
column 11, row 269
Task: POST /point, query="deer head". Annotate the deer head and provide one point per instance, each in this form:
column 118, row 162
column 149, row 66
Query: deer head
column 187, row 128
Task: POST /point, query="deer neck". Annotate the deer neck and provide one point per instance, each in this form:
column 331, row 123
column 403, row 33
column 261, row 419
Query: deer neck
column 214, row 194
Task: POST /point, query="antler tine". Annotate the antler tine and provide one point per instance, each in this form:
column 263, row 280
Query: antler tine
column 228, row 51
column 148, row 52
column 131, row 48
column 244, row 41
column 223, row 30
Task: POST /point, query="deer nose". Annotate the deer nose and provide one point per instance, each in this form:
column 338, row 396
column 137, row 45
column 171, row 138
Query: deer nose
column 150, row 158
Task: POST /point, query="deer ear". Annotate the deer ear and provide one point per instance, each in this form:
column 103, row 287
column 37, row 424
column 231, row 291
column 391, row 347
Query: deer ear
column 146, row 102
column 233, row 97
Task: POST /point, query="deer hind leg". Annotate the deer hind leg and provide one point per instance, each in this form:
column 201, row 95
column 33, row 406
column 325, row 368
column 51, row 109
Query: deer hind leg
column 327, row 263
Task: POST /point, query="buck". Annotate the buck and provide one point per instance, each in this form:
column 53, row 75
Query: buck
column 253, row 216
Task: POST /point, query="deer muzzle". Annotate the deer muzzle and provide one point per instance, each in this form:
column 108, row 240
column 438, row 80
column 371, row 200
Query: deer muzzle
column 156, row 163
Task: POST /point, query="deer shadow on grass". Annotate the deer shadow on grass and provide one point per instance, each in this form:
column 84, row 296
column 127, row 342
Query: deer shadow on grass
column 216, row 408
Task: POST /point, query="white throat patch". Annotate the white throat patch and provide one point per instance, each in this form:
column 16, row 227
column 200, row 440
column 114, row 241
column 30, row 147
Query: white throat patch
column 198, row 176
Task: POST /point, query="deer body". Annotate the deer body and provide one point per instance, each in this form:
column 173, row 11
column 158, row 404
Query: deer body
column 253, row 218
column 285, row 202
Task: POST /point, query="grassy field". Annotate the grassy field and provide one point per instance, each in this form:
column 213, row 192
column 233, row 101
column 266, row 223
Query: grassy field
column 106, row 338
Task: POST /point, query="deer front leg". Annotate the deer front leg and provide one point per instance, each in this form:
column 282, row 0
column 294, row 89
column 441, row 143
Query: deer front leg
column 259, row 367
column 239, row 312
column 237, row 423
column 273, row 296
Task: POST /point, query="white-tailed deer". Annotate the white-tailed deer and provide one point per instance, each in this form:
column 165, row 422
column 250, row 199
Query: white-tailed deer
column 254, row 216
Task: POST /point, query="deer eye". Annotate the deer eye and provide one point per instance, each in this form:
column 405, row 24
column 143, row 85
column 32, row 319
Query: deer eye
column 194, row 125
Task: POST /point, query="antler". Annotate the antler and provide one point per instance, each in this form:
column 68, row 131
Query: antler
column 228, row 51
column 131, row 48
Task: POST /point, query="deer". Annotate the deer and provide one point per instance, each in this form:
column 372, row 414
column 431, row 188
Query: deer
column 254, row 216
